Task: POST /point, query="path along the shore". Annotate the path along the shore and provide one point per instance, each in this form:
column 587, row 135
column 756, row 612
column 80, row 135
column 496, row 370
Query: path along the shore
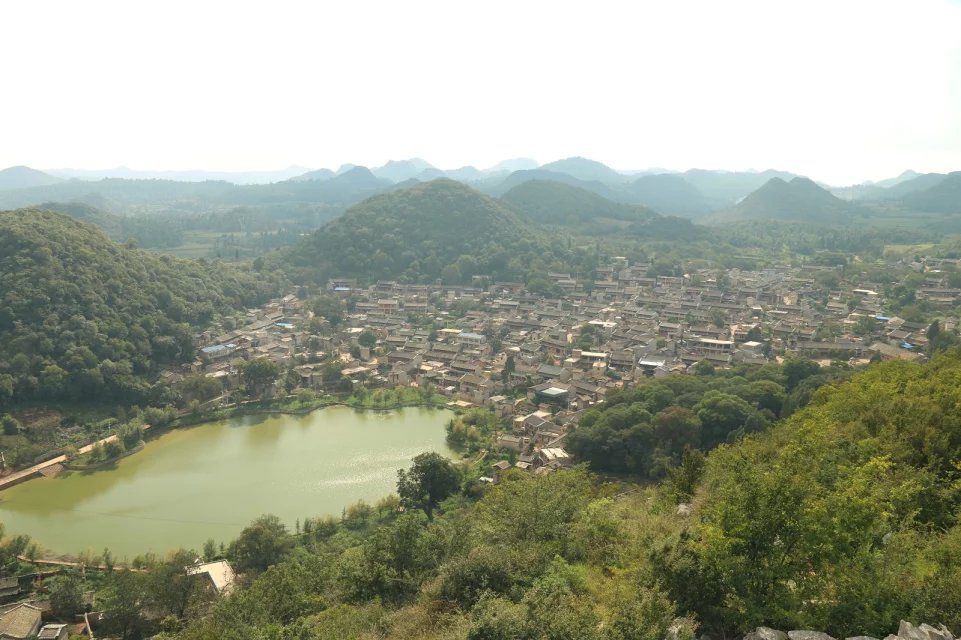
column 30, row 472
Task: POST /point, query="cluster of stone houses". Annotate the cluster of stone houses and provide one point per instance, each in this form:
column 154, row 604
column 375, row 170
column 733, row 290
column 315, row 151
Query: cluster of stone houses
column 638, row 325
column 524, row 355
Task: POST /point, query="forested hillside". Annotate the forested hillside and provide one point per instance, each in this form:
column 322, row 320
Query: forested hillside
column 84, row 317
column 842, row 518
column 147, row 232
column 440, row 229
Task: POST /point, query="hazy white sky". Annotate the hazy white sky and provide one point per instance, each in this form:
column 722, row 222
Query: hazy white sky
column 840, row 90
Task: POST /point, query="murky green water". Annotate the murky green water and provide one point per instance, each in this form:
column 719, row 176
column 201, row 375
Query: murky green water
column 211, row 480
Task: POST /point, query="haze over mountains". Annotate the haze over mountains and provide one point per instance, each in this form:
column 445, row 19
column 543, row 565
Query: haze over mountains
column 24, row 177
column 796, row 199
column 707, row 196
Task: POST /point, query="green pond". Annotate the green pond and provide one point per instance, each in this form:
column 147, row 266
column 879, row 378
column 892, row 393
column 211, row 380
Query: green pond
column 211, row 480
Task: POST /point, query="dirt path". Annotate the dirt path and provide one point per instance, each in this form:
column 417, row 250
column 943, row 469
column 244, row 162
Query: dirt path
column 30, row 472
column 77, row 565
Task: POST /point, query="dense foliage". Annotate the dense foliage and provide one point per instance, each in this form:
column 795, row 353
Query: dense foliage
column 843, row 518
column 147, row 232
column 520, row 563
column 83, row 317
column 644, row 431
column 472, row 430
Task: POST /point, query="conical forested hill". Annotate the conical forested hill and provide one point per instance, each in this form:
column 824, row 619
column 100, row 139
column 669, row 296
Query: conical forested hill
column 439, row 229
column 799, row 200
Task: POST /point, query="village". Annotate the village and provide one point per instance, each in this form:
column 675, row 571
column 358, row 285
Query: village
column 538, row 362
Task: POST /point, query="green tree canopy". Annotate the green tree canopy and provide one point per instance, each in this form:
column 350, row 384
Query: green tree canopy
column 258, row 374
column 261, row 544
column 430, row 479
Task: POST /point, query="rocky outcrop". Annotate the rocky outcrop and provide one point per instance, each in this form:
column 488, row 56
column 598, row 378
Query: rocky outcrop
column 809, row 635
column 766, row 633
column 906, row 631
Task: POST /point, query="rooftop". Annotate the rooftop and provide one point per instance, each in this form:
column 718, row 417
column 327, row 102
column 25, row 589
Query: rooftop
column 220, row 572
column 20, row 622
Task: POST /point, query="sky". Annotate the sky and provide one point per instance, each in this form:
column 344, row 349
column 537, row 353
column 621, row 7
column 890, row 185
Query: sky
column 842, row 91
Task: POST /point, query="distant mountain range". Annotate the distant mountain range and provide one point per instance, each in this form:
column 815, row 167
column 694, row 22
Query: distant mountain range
column 236, row 177
column 316, row 174
column 401, row 170
column 890, row 182
column 24, row 178
column 698, row 194
column 891, row 189
column 124, row 196
column 670, row 193
column 584, row 169
column 943, row 196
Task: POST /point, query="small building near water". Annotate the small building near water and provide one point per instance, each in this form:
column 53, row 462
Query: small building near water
column 219, row 572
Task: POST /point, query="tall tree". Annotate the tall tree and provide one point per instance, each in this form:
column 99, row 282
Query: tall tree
column 169, row 587
column 66, row 597
column 431, row 479
column 258, row 374
column 122, row 604
column 261, row 544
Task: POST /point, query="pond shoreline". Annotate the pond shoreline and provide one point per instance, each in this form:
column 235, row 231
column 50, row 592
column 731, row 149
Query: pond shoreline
column 195, row 484
column 275, row 407
column 272, row 408
column 69, row 466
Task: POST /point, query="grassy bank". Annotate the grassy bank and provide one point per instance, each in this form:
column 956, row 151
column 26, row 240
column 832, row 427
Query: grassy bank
column 301, row 404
